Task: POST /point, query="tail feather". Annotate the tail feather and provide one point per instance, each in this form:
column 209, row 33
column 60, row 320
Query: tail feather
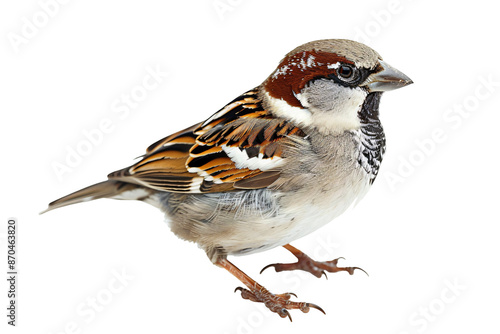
column 106, row 189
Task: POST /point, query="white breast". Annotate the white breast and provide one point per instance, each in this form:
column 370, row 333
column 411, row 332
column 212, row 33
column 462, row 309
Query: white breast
column 299, row 214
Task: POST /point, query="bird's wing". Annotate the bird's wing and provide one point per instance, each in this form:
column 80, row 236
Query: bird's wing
column 239, row 147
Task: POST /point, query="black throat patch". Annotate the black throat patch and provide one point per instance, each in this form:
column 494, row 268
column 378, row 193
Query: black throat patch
column 372, row 138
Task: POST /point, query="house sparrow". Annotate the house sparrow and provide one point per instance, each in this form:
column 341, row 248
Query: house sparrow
column 273, row 165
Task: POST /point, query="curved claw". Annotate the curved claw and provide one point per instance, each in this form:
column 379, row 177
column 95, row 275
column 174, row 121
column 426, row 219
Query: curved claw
column 316, row 307
column 324, row 273
column 239, row 288
column 284, row 313
column 269, row 265
column 361, row 270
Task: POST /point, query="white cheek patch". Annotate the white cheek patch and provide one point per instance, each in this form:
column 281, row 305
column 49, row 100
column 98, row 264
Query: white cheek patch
column 342, row 113
column 242, row 160
column 281, row 108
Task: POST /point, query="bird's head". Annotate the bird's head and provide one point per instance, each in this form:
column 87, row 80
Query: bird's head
column 324, row 84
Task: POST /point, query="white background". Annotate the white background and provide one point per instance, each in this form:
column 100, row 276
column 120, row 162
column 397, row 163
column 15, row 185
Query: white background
column 430, row 221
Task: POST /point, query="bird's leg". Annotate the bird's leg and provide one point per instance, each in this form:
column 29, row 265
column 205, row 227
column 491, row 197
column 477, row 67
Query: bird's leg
column 305, row 263
column 279, row 303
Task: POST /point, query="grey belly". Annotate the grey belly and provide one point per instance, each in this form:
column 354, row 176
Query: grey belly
column 224, row 221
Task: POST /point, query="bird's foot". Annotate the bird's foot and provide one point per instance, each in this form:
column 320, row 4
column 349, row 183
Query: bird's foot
column 305, row 263
column 279, row 303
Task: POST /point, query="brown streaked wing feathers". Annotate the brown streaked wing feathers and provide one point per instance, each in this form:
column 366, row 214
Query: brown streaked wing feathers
column 192, row 160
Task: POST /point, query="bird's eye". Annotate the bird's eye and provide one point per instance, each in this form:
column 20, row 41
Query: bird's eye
column 345, row 72
column 349, row 75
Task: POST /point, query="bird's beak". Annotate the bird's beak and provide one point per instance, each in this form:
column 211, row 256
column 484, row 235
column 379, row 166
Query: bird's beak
column 388, row 78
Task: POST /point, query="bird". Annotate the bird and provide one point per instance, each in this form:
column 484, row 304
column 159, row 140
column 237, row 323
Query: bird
column 273, row 165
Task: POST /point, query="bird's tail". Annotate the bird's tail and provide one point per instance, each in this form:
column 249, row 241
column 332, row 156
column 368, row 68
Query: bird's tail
column 106, row 189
